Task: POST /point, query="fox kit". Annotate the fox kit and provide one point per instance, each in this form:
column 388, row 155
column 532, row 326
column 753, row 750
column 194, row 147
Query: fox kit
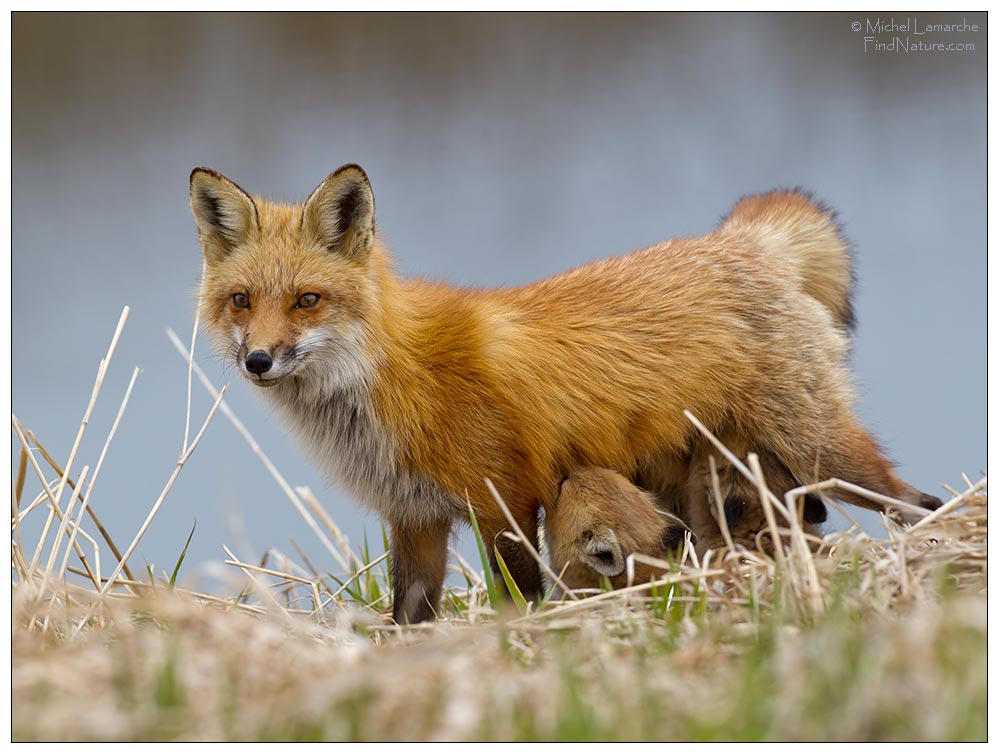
column 411, row 393
column 600, row 518
column 740, row 503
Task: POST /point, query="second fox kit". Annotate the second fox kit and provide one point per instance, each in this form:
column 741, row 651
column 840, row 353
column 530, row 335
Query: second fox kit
column 411, row 393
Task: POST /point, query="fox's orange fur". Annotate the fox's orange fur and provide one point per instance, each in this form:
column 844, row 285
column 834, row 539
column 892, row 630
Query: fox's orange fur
column 413, row 392
column 600, row 518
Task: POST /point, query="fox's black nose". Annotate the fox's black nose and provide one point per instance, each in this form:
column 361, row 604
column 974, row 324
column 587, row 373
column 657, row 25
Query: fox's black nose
column 258, row 362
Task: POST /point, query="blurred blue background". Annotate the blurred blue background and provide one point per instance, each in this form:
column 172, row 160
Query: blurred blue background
column 501, row 149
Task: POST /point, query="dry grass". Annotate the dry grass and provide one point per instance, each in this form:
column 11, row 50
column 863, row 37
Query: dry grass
column 859, row 639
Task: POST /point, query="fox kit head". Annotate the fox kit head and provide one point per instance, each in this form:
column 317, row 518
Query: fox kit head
column 285, row 285
column 740, row 503
column 598, row 519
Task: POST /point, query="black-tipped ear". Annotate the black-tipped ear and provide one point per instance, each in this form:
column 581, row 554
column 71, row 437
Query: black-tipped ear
column 340, row 214
column 225, row 214
column 603, row 554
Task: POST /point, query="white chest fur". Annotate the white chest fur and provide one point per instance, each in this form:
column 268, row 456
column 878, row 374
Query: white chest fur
column 341, row 432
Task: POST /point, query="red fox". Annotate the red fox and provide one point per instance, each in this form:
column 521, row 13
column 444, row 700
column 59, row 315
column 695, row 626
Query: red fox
column 412, row 393
column 600, row 518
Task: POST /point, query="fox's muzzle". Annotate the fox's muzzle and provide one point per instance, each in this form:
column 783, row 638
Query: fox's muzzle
column 266, row 368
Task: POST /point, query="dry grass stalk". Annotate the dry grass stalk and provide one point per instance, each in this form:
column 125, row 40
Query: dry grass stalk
column 163, row 494
column 37, row 445
column 720, row 505
column 98, row 383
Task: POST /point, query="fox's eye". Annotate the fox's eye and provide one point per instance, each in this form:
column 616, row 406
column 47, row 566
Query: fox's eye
column 241, row 301
column 307, row 300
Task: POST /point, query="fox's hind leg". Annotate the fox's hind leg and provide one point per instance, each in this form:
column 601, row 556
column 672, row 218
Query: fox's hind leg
column 847, row 451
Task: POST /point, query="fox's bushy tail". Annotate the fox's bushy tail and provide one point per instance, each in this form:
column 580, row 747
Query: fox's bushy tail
column 803, row 233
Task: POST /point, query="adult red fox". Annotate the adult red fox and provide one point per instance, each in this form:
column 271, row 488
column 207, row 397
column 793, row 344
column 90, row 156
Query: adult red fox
column 411, row 393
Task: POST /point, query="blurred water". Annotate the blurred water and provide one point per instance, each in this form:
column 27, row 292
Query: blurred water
column 501, row 148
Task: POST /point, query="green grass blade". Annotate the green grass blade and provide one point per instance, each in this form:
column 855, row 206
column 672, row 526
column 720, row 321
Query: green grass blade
column 388, row 560
column 495, row 598
column 183, row 554
column 352, row 590
column 511, row 585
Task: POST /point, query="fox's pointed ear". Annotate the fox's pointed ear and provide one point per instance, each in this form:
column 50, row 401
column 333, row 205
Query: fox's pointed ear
column 603, row 553
column 340, row 214
column 226, row 215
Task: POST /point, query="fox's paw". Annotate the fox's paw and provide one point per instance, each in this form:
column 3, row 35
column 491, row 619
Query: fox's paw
column 930, row 502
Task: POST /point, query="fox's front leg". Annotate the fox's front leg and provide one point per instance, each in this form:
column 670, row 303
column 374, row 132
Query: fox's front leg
column 419, row 561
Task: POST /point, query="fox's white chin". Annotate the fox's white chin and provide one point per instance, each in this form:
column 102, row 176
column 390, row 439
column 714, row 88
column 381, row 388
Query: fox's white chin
column 266, row 381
